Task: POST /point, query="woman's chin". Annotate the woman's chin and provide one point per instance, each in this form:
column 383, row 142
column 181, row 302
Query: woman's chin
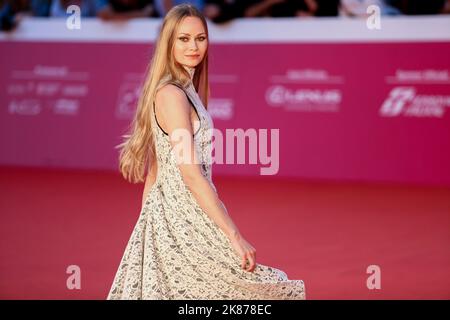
column 190, row 64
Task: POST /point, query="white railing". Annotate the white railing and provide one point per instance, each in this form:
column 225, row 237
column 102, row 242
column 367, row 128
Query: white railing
column 335, row 29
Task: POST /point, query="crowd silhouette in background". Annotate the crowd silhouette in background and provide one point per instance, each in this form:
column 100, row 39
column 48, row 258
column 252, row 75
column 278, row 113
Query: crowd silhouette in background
column 217, row 11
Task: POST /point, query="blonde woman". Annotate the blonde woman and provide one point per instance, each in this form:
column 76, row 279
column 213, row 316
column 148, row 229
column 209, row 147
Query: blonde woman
column 184, row 245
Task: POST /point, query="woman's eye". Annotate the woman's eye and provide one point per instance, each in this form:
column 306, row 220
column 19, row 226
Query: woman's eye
column 184, row 39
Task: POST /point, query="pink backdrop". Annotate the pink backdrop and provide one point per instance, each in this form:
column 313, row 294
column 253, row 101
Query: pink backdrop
column 350, row 111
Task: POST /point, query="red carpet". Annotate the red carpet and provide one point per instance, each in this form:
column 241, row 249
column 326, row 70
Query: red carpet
column 324, row 233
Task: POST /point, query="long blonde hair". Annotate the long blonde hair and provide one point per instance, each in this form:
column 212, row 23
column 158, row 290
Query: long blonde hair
column 138, row 149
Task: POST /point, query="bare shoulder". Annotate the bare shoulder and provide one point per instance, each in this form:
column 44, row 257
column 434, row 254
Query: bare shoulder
column 170, row 96
column 173, row 106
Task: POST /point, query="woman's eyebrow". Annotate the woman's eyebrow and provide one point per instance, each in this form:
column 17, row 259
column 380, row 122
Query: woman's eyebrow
column 189, row 34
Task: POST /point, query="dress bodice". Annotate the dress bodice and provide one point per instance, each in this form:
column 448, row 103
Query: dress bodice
column 202, row 138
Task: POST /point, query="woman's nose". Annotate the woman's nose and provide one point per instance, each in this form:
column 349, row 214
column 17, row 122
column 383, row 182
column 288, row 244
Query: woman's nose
column 193, row 44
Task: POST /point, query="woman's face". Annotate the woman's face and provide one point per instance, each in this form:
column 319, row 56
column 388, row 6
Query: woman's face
column 190, row 42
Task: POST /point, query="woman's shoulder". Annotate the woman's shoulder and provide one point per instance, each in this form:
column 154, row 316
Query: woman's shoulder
column 170, row 90
column 168, row 81
column 171, row 93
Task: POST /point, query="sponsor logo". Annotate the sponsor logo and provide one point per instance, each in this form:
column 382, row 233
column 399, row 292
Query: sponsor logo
column 322, row 100
column 404, row 101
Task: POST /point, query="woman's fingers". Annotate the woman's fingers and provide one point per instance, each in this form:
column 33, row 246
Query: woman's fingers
column 251, row 260
column 248, row 256
column 244, row 261
column 254, row 260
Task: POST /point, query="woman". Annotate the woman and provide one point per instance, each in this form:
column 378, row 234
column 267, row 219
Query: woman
column 184, row 245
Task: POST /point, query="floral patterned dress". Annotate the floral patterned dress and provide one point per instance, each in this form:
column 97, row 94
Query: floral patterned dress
column 176, row 251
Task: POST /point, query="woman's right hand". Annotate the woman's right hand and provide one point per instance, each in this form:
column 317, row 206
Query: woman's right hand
column 246, row 251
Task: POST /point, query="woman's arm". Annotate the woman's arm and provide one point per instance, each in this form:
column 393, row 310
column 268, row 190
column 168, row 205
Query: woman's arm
column 175, row 111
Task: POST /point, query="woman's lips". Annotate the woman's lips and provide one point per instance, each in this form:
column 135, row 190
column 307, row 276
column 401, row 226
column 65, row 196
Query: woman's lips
column 193, row 56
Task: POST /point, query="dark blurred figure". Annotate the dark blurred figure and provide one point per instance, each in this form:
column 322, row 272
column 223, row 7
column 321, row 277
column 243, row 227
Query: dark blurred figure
column 163, row 6
column 127, row 9
column 446, row 9
column 221, row 11
column 289, row 8
column 318, row 8
column 10, row 13
column 327, row 8
column 58, row 8
column 225, row 10
column 105, row 9
column 358, row 8
column 88, row 8
column 269, row 8
column 41, row 8
column 417, row 7
column 276, row 8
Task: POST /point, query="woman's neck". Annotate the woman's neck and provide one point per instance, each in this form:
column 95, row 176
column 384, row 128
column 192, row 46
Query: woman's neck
column 190, row 70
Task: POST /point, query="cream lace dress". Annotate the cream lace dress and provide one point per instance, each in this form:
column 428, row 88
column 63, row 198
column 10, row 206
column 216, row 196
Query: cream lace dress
column 176, row 251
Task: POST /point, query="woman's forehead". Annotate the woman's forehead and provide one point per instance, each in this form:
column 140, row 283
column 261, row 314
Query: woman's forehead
column 191, row 26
